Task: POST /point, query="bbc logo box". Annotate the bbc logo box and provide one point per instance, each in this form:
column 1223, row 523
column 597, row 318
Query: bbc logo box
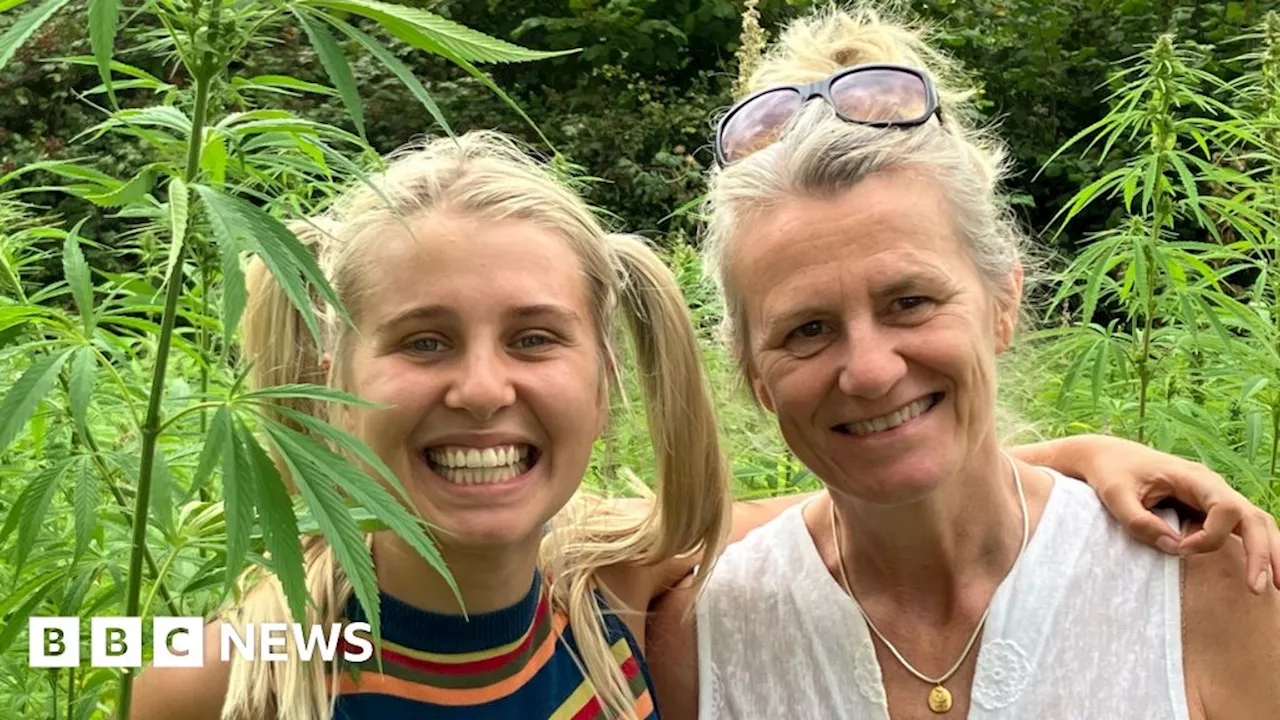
column 115, row 642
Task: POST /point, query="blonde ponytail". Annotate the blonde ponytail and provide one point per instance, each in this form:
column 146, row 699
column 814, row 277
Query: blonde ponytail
column 275, row 337
column 294, row 689
column 283, row 351
column 692, row 499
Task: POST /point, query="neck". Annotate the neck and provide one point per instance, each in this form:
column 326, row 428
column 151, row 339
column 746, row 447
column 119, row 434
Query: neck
column 944, row 554
column 488, row 579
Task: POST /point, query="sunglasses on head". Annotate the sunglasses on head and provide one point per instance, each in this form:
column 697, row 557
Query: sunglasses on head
column 880, row 95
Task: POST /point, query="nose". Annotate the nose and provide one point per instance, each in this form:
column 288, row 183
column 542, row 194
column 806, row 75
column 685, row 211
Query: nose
column 873, row 363
column 483, row 384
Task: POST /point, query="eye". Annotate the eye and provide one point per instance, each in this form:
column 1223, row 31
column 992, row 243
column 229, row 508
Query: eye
column 911, row 302
column 424, row 345
column 533, row 341
column 809, row 330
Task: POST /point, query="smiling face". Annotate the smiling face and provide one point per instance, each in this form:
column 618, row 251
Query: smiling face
column 872, row 336
column 479, row 337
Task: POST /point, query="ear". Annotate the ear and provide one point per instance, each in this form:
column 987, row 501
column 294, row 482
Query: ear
column 1007, row 310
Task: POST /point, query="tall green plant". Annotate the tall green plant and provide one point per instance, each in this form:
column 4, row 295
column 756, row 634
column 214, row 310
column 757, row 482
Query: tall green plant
column 221, row 168
column 1148, row 272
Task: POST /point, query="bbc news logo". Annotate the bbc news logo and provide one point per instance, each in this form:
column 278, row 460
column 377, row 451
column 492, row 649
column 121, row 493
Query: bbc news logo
column 116, row 642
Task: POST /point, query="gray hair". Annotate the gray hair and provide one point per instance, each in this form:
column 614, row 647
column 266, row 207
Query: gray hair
column 821, row 156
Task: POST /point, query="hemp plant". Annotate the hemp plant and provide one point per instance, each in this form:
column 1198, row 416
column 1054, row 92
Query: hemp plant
column 222, row 166
column 1149, row 274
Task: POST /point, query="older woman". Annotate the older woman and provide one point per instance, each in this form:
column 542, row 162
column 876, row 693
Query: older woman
column 871, row 279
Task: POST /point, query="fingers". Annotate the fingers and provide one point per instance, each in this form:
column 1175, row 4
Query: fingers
column 1255, row 531
column 1221, row 519
column 1142, row 524
column 1275, row 556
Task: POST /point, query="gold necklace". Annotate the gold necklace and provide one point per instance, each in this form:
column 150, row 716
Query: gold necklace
column 940, row 700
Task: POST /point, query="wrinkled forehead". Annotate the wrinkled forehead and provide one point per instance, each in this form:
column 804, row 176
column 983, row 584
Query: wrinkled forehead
column 887, row 224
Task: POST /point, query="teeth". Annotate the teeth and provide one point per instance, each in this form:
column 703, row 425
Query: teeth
column 891, row 420
column 476, row 466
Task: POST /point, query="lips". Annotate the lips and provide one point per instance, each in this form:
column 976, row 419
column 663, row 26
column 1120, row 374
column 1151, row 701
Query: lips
column 464, row 465
column 891, row 420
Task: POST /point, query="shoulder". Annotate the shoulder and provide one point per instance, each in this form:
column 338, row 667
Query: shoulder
column 184, row 693
column 1232, row 641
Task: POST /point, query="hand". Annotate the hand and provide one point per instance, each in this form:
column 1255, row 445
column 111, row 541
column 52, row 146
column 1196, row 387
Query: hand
column 1131, row 478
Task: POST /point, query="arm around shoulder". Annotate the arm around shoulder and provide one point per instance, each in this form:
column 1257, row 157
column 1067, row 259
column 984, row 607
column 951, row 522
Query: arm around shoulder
column 183, row 693
column 671, row 650
column 1231, row 649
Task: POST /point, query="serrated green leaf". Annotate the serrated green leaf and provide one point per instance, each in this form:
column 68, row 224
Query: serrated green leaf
column 80, row 385
column 301, row 457
column 237, row 222
column 234, row 295
column 179, row 204
column 374, row 497
column 279, row 525
column 1252, row 387
column 238, row 494
column 26, row 394
column 161, row 503
column 17, row 622
column 129, row 193
column 286, row 82
column 10, row 4
column 18, row 32
column 310, row 392
column 102, row 36
column 1252, row 433
column 397, row 68
column 212, row 452
column 433, row 33
column 39, row 496
column 86, row 499
column 76, row 271
column 213, row 157
column 336, row 66
column 348, row 443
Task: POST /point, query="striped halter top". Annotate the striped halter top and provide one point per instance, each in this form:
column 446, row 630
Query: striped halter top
column 519, row 662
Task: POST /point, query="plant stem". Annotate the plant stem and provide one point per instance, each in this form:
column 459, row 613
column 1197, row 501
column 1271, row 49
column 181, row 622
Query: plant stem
column 151, row 426
column 71, row 693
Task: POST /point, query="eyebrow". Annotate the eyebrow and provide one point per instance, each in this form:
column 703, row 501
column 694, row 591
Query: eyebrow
column 437, row 312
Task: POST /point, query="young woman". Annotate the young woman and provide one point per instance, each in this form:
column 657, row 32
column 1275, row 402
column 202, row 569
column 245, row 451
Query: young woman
column 484, row 297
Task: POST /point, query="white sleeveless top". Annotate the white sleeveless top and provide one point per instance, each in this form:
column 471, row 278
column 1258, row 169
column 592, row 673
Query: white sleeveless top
column 1087, row 626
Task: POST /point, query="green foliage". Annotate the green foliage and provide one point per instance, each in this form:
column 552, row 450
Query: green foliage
column 98, row 365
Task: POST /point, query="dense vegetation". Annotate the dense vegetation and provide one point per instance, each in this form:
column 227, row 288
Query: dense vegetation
column 134, row 475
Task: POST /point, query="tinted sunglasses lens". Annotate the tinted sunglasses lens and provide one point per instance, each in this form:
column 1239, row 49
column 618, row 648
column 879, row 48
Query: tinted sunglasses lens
column 880, row 96
column 758, row 123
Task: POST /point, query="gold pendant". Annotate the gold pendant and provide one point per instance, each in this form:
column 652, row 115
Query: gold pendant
column 940, row 699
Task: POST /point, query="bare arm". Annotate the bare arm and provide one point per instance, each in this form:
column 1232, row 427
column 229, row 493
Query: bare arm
column 1131, row 478
column 183, row 693
column 1231, row 651
column 672, row 654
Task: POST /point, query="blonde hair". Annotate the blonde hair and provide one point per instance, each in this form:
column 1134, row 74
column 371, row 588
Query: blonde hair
column 486, row 175
column 822, row 156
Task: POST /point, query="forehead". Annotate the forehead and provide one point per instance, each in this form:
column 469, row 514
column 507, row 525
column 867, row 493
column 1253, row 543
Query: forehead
column 891, row 226
column 468, row 263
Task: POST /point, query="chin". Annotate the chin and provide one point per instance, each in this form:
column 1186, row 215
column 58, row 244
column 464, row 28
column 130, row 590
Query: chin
column 892, row 484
